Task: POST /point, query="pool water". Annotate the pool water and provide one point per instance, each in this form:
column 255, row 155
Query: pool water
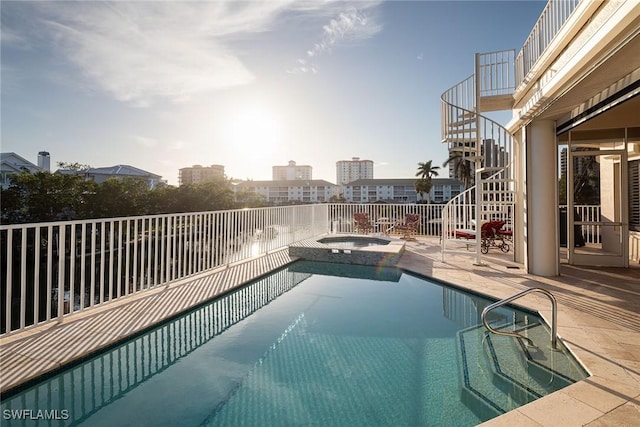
column 301, row 348
column 353, row 241
column 353, row 244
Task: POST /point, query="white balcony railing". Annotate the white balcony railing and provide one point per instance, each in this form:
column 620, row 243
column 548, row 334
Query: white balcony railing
column 588, row 213
column 93, row 262
column 54, row 269
column 497, row 73
column 51, row 270
column 552, row 18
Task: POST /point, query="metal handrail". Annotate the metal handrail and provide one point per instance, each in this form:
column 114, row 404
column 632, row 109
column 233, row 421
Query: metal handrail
column 554, row 317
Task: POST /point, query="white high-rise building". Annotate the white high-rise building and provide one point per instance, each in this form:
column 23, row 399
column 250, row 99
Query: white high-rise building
column 350, row 170
column 44, row 161
column 291, row 172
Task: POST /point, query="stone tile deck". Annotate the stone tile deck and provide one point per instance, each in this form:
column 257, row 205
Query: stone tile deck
column 598, row 317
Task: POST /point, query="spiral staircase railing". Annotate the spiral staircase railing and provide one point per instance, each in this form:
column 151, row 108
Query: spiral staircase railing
column 483, row 143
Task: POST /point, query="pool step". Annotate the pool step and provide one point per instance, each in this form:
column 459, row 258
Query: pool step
column 501, row 373
column 478, row 392
column 539, row 369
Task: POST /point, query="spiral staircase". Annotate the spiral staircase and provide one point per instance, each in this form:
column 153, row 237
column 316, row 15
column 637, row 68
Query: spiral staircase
column 484, row 145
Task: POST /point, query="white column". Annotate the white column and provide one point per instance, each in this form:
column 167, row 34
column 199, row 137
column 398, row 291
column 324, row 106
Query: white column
column 519, row 167
column 541, row 199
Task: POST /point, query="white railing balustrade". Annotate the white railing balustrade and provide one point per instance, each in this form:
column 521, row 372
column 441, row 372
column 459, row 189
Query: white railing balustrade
column 92, row 262
column 497, row 73
column 458, row 117
column 587, row 213
column 54, row 269
column 552, row 18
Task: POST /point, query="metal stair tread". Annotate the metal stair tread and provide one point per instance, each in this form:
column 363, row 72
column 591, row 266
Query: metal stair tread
column 461, row 129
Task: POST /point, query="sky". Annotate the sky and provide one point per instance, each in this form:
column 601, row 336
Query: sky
column 162, row 85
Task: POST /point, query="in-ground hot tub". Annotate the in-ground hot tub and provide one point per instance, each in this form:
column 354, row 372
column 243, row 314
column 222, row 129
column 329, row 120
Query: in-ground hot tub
column 350, row 249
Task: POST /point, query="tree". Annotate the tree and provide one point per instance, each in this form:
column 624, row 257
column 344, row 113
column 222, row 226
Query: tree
column 43, row 196
column 586, row 184
column 73, row 166
column 423, row 186
column 121, row 197
column 461, row 168
column 426, row 170
column 248, row 199
column 210, row 196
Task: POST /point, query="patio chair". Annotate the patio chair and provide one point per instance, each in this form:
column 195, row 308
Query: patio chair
column 361, row 223
column 491, row 236
column 409, row 227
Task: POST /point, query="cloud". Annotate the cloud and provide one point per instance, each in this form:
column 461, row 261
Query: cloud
column 140, row 52
column 351, row 24
column 420, row 56
column 145, row 141
column 14, row 39
column 176, row 145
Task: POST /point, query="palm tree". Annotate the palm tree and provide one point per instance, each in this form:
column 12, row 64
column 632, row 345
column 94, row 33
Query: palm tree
column 426, row 171
column 423, row 186
column 461, row 168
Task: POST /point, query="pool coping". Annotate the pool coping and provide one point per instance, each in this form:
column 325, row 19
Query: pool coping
column 315, row 250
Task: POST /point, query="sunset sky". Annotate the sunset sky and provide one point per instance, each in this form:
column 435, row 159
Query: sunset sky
column 162, row 85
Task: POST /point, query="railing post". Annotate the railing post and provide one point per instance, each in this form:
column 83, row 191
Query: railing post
column 478, row 165
column 61, row 263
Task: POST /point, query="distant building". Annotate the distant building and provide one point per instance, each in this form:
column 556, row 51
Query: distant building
column 291, row 172
column 12, row 163
column 288, row 191
column 400, row 190
column 490, row 150
column 44, row 161
column 200, row 174
column 100, row 175
column 351, row 170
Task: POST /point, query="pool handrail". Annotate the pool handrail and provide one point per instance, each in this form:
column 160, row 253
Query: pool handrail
column 554, row 316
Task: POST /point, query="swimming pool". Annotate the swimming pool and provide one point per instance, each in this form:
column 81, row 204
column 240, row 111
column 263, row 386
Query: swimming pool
column 300, row 348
